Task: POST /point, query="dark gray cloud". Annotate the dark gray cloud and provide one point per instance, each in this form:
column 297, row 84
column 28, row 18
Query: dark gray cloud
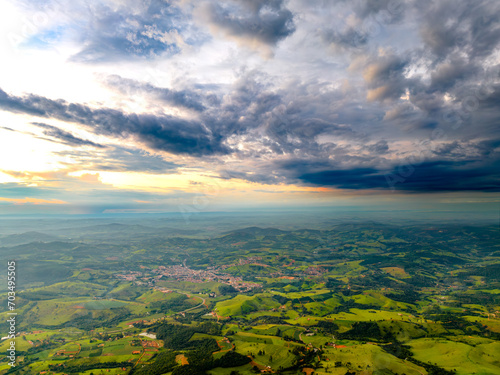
column 361, row 22
column 348, row 38
column 31, row 104
column 244, row 108
column 264, row 21
column 118, row 159
column 444, row 167
column 164, row 133
column 263, row 178
column 184, row 98
column 451, row 72
column 283, row 121
column 65, row 137
column 385, row 77
column 442, row 176
column 359, row 178
column 390, row 11
column 381, row 147
column 456, row 150
column 468, row 27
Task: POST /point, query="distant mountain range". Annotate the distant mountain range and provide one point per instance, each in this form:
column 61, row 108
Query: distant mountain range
column 28, row 237
column 94, row 232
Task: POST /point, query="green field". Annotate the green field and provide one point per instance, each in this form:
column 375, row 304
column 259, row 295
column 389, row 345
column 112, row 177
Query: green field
column 103, row 304
column 466, row 359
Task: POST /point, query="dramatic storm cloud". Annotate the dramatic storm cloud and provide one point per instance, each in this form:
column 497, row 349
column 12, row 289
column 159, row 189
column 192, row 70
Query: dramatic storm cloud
column 64, row 136
column 327, row 97
column 163, row 133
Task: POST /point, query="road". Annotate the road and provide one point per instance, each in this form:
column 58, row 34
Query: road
column 192, row 308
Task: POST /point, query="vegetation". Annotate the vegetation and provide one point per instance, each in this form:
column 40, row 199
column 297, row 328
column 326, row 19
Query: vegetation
column 347, row 299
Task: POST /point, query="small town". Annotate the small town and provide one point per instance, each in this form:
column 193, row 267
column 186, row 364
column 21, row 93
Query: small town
column 183, row 273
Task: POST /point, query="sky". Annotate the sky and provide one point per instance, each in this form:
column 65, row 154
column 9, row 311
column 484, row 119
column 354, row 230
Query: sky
column 205, row 105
